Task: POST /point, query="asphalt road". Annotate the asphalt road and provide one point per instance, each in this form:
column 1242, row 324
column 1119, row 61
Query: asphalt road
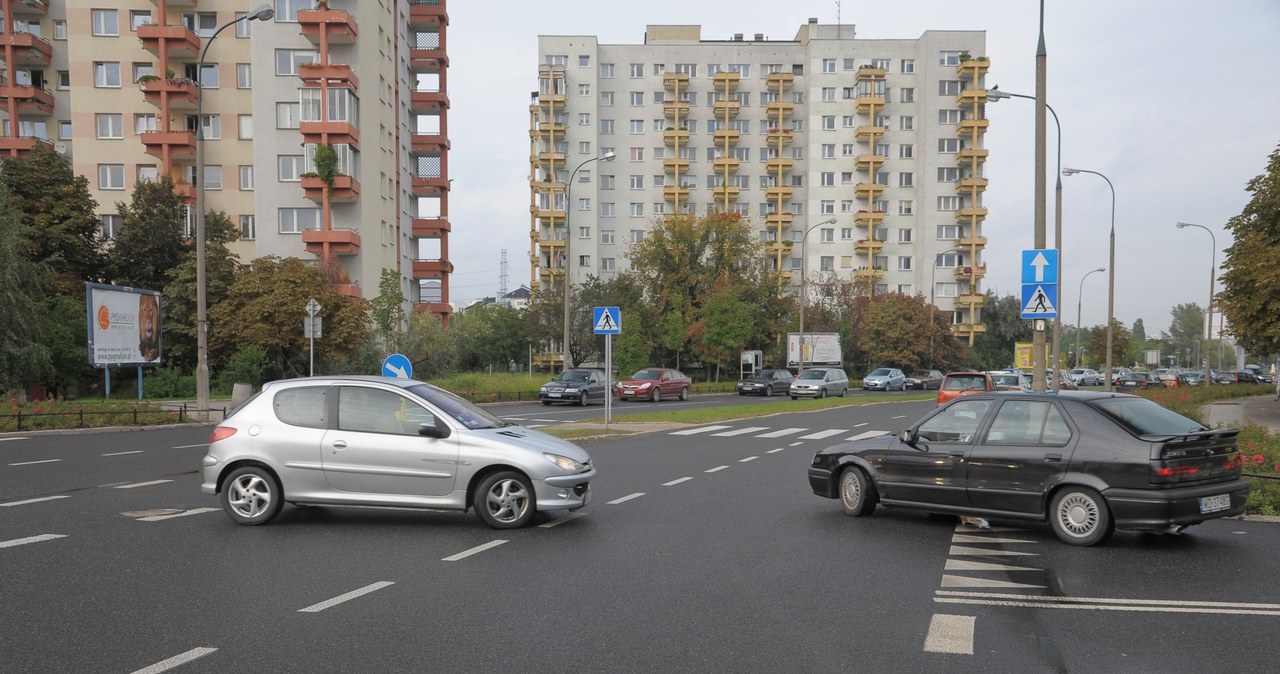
column 702, row 550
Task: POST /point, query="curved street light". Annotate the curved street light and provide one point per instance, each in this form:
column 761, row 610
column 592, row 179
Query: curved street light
column 1079, row 306
column 568, row 238
column 804, row 295
column 1213, row 261
column 1111, row 286
column 263, row 13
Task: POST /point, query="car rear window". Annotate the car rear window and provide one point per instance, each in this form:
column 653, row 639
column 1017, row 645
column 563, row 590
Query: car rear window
column 1144, row 417
column 302, row 406
column 965, row 383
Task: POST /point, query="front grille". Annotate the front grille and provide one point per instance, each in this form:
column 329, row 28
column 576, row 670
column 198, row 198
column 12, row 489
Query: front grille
column 580, row 489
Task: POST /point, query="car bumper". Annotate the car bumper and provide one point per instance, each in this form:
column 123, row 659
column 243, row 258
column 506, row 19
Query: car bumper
column 751, row 390
column 821, row 482
column 560, row 396
column 806, row 393
column 1157, row 510
column 565, row 492
column 875, row 387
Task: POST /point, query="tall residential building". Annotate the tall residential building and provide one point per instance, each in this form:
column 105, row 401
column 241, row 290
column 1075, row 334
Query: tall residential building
column 870, row 151
column 119, row 87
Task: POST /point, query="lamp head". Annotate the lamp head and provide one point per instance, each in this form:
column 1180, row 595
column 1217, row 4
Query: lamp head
column 608, row 156
column 1182, row 225
column 994, row 95
column 263, row 13
column 1070, row 171
column 832, row 221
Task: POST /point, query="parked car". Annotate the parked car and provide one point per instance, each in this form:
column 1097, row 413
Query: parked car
column 1194, row 377
column 1238, row 377
column 819, row 382
column 1139, row 381
column 924, row 380
column 957, row 384
column 1065, row 382
column 1087, row 462
column 1004, row 380
column 885, row 379
column 654, row 383
column 766, row 382
column 579, row 386
column 1084, row 376
column 377, row 441
column 1173, row 379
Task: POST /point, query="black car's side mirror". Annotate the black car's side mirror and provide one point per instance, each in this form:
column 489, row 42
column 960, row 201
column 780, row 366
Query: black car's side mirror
column 907, row 437
column 430, row 430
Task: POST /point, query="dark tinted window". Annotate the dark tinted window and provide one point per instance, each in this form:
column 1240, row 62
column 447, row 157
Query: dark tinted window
column 965, row 383
column 302, row 406
column 1143, row 416
column 956, row 423
column 1028, row 422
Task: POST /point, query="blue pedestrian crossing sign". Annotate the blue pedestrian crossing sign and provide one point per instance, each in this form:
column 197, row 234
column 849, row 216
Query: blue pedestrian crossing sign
column 1039, row 300
column 1040, row 266
column 397, row 365
column 607, row 320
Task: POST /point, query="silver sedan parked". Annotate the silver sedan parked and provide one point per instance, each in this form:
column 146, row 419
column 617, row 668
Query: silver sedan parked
column 376, row 441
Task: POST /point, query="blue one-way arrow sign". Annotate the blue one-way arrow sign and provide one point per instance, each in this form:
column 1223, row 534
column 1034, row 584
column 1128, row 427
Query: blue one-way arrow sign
column 397, row 365
column 1040, row 266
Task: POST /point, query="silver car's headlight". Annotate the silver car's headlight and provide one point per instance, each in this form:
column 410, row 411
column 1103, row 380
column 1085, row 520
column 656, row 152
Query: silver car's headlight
column 565, row 463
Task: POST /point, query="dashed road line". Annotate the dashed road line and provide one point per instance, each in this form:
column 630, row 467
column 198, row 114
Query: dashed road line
column 702, row 429
column 626, row 498
column 900, row 416
column 30, row 539
column 141, row 484
column 950, row 634
column 478, row 549
column 32, row 463
column 796, row 444
column 676, row 482
column 561, row 520
column 179, row 659
column 196, row 511
column 775, row 451
column 33, row 500
column 203, row 444
column 749, row 458
column 716, row 469
column 132, row 451
column 374, row 587
column 861, row 424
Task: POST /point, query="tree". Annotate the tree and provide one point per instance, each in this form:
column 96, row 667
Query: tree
column 1139, row 331
column 724, row 326
column 25, row 327
column 489, row 336
column 898, row 331
column 1186, row 331
column 428, row 346
column 1097, row 345
column 1005, row 328
column 178, row 309
column 1251, row 270
column 388, row 310
column 151, row 241
column 58, row 216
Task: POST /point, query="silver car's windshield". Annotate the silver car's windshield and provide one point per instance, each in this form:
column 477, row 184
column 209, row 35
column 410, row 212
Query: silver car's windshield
column 460, row 410
column 813, row 374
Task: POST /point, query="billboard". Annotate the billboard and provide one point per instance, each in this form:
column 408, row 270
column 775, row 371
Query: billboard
column 124, row 325
column 1022, row 356
column 820, row 348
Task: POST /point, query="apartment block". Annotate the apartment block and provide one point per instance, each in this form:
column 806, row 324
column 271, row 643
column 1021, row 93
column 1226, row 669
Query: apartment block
column 127, row 89
column 860, row 160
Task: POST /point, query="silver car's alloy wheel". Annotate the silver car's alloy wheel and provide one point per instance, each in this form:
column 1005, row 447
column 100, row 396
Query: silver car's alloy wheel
column 251, row 495
column 505, row 500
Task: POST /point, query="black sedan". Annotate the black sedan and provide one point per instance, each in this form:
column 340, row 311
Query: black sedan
column 579, row 386
column 1089, row 463
column 1139, row 381
column 924, row 380
column 766, row 383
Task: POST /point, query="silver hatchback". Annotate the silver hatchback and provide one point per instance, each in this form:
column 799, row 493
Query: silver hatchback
column 376, row 441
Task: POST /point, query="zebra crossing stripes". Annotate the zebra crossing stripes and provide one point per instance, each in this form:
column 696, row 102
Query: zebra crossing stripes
column 782, row 433
column 824, row 434
column 700, row 429
column 962, row 571
column 866, row 434
column 741, row 431
column 725, row 431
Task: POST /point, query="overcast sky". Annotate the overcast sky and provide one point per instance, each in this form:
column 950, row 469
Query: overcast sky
column 1177, row 102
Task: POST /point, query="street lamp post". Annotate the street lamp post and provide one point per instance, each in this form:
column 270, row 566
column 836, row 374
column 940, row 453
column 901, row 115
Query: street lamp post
column 1079, row 306
column 1111, row 286
column 568, row 238
column 1213, row 261
column 933, row 275
column 804, row 296
column 263, row 13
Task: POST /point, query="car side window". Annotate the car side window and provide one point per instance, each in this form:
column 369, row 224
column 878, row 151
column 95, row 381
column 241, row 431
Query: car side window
column 373, row 410
column 302, row 406
column 957, row 423
column 1028, row 422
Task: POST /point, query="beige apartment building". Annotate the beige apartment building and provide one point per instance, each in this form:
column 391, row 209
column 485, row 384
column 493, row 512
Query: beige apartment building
column 120, row 87
column 861, row 159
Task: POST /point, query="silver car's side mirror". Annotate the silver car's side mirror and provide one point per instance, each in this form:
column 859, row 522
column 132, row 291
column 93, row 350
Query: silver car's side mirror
column 431, row 430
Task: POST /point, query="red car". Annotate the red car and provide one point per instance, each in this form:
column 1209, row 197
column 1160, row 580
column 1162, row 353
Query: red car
column 654, row 383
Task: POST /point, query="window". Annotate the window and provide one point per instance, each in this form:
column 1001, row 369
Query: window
column 906, row 122
column 637, row 127
column 607, row 210
column 908, row 94
column 828, row 65
column 905, row 207
column 584, row 204
column 827, row 178
column 637, row 70
column 110, row 125
column 64, row 129
column 607, row 264
column 847, row 150
column 827, row 263
column 637, row 182
column 213, row 177
column 64, row 80
column 948, row 174
column 584, row 260
column 294, row 220
column 248, row 227
column 828, row 122
column 828, row 94
column 906, row 151
column 110, row 176
column 948, row 87
column 105, row 22
column 904, row 235
column 949, row 58
column 606, row 235
column 244, row 76
column 636, row 235
column 204, row 23
column 659, row 69
column 606, row 71
column 288, row 60
column 148, row 173
column 584, row 119
column 826, row 207
column 606, row 182
column 908, row 66
column 637, row 98
column 637, row 154
column 905, row 179
column 290, row 167
column 59, row 29
column 106, row 74
column 288, row 115
column 948, row 145
column 637, row 209
column 606, row 127
column 948, row 233
column 882, row 64
column 110, row 225
column 848, row 63
column 904, row 263
column 584, row 89
column 948, row 116
column 244, row 28
column 1028, row 422
column 141, row 70
column 210, row 127
column 606, row 99
column 828, row 150
column 949, row 204
column 246, row 177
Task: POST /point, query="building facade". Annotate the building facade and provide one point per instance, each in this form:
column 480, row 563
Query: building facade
column 122, row 87
column 855, row 159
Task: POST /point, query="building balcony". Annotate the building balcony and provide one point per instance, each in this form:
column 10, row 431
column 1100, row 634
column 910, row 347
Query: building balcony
column 345, row 189
column 549, row 158
column 867, row 103
column 676, row 136
column 968, row 273
column 428, row 101
column 551, row 245
column 726, row 191
column 973, row 66
column 22, row 145
column 548, row 214
column 868, row 162
column 774, row 81
column 333, row 133
column 973, row 241
column 964, row 215
column 968, row 329
column 427, row 14
column 971, row 126
column 340, row 241
column 31, row 7
column 722, row 164
column 779, row 136
column 777, row 192
column 337, row 24
column 180, row 92
column 726, row 79
column 177, row 41
column 777, row 219
column 424, row 186
column 673, row 164
column 673, row 192
column 429, row 143
column 28, row 49
column 185, row 190
column 548, row 130
column 348, row 290
column 726, row 135
column 429, row 59
column 773, row 108
column 868, row 274
column 775, row 165
column 178, row 3
column 871, row 218
column 868, row 246
column 870, row 72
column 333, row 73
column 673, row 109
column 868, row 190
column 971, row 97
column 869, row 132
column 775, row 248
column 971, row 154
column 970, row 301
column 174, row 143
column 30, row 100
column 726, row 108
column 971, row 184
column 675, row 81
column 431, row 268
column 431, row 228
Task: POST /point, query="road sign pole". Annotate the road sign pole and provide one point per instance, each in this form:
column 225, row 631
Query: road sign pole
column 608, row 378
column 313, row 308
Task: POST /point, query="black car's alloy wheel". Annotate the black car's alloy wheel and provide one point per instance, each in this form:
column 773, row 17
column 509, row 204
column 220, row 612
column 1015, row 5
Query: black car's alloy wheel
column 857, row 493
column 1080, row 516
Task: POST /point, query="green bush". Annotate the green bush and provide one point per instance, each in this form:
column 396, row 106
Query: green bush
column 170, row 382
column 249, row 365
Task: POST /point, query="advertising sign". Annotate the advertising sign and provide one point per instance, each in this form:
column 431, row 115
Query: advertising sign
column 124, row 325
column 820, row 348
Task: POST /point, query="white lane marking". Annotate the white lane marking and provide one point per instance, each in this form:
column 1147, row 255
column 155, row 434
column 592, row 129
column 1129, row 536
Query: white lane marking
column 781, row 433
column 132, row 451
column 794, row 444
column 536, row 425
column 32, row 500
column 626, row 498
column 716, row 469
column 900, row 416
column 374, row 587
column 966, row 538
column 966, row 581
column 968, row 529
column 1106, row 604
column 196, row 511
column 561, row 520
column 695, row 431
column 142, row 484
column 824, row 434
column 1114, row 601
column 749, row 458
column 775, row 451
column 7, row 439
column 478, row 549
column 31, row 539
column 867, row 434
column 179, row 659
column 741, row 431
column 203, row 444
column 32, row 463
column 968, row 565
column 676, row 482
column 861, row 424
column 983, row 552
column 950, row 634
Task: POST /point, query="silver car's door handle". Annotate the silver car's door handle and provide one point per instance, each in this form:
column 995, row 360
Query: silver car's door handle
column 339, row 444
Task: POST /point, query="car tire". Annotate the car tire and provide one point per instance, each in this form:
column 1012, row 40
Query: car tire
column 1079, row 516
column 794, row 398
column 505, row 500
column 656, row 396
column 547, row 403
column 822, row 393
column 251, row 496
column 843, row 391
column 857, row 493
column 768, row 391
column 684, row 393
column 582, row 399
